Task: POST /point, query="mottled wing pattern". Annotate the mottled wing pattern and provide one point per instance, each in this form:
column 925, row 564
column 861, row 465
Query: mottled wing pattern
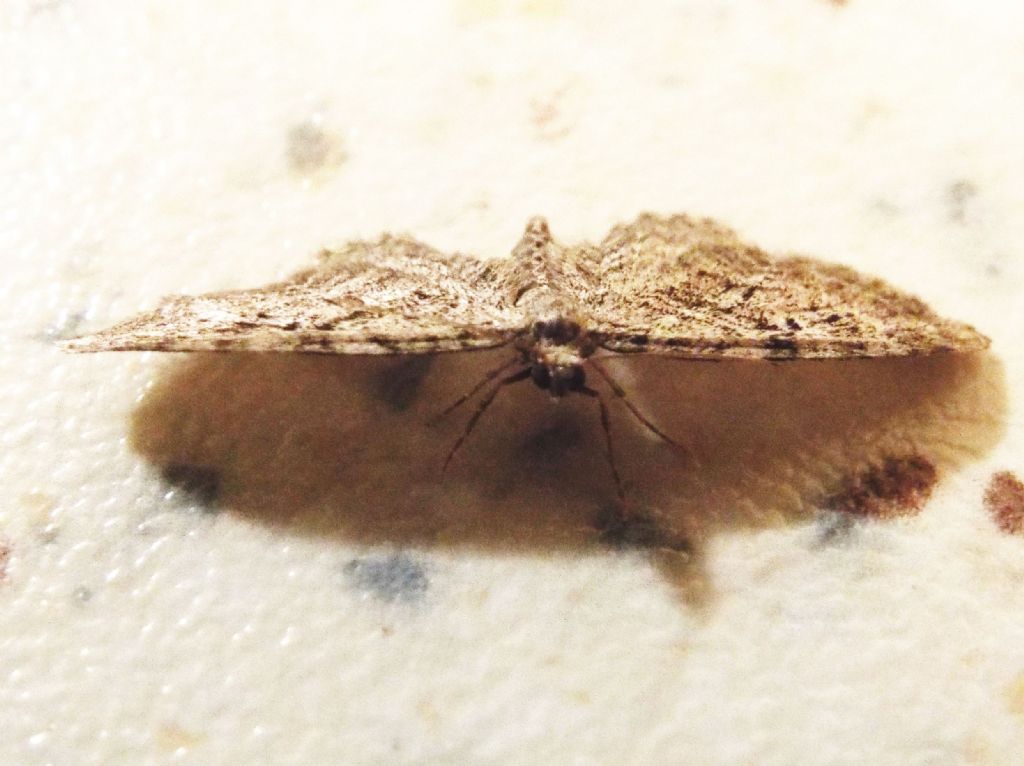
column 689, row 287
column 395, row 295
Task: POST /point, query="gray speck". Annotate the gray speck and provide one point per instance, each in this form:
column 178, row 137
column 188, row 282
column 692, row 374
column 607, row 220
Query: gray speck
column 885, row 208
column 81, row 594
column 959, row 196
column 397, row 577
column 833, row 528
column 311, row 147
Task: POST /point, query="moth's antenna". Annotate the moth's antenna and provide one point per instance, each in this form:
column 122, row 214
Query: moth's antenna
column 523, row 374
column 606, row 426
column 621, row 394
column 472, row 392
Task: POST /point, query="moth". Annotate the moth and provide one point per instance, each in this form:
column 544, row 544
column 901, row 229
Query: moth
column 676, row 286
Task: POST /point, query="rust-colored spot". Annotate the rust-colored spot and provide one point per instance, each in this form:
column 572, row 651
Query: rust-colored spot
column 900, row 486
column 1004, row 500
column 5, row 554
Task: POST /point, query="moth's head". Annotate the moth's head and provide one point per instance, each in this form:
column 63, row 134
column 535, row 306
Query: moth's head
column 557, row 368
column 558, row 379
column 537, row 229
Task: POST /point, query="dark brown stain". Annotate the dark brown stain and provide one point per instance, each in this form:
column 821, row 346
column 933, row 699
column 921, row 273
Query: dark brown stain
column 5, row 555
column 900, row 486
column 1004, row 500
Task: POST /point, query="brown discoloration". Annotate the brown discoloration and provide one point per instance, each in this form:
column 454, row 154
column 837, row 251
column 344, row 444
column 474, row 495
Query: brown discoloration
column 5, row 555
column 1014, row 695
column 1004, row 500
column 897, row 487
column 676, row 285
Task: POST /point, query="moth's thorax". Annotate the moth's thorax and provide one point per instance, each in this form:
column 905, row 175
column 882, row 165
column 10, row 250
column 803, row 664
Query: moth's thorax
column 557, row 344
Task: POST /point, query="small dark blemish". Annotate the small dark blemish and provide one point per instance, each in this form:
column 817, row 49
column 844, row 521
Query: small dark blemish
column 323, row 326
column 81, row 594
column 201, row 484
column 639, row 340
column 1004, row 500
column 777, row 342
column 310, row 147
column 958, row 196
column 749, row 292
column 290, row 326
column 398, row 384
column 792, row 324
column 5, row 555
column 833, row 528
column 637, row 532
column 397, row 577
column 898, row 487
column 832, row 318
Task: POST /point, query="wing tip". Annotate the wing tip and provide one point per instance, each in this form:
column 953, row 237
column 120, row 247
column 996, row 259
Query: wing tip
column 83, row 344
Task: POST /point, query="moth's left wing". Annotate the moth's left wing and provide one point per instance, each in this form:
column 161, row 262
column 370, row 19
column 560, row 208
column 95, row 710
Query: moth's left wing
column 395, row 295
column 690, row 288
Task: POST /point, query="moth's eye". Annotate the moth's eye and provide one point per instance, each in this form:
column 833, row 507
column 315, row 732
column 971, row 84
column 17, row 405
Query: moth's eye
column 540, row 375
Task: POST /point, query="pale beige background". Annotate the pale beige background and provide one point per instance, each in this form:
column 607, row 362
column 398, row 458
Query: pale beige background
column 244, row 560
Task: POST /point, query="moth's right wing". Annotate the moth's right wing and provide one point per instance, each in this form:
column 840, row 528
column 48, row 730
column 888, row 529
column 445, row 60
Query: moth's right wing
column 391, row 296
column 690, row 288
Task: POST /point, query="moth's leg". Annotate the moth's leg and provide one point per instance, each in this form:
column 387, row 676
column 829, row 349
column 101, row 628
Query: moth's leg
column 621, row 394
column 628, row 528
column 488, row 377
column 517, row 377
column 606, row 426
